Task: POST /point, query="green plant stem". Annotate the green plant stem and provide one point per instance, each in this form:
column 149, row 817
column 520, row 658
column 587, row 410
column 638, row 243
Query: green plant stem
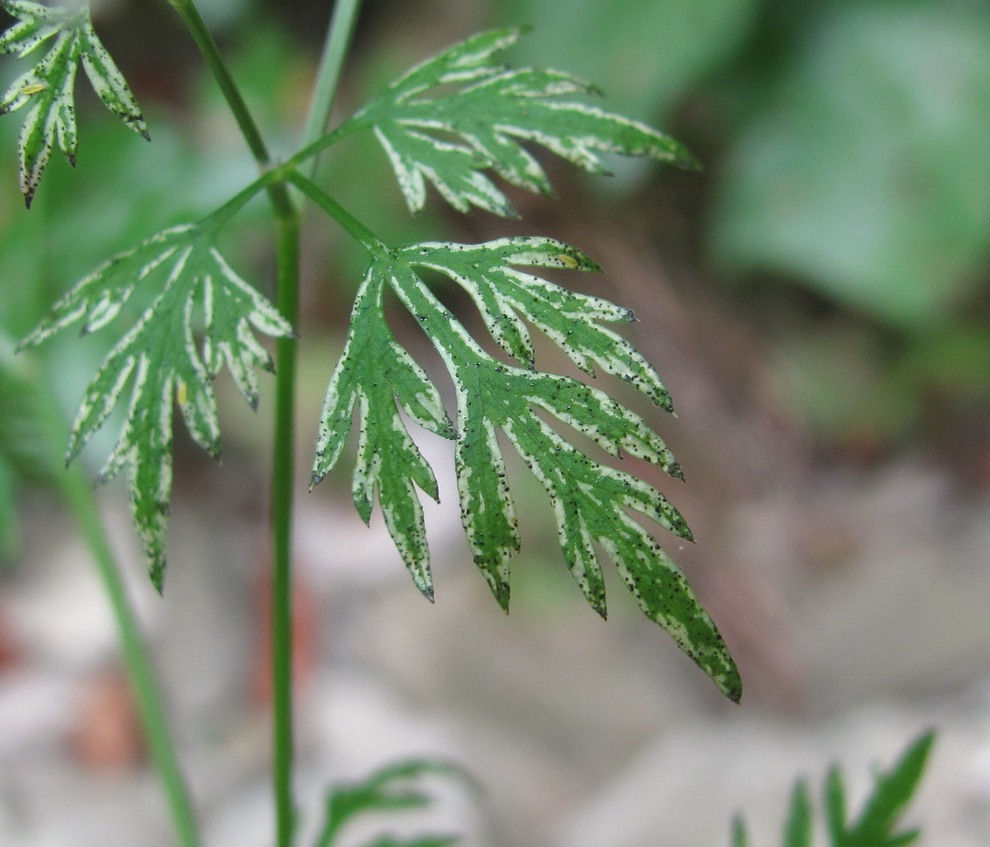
column 283, row 460
column 78, row 494
column 345, row 13
column 287, row 301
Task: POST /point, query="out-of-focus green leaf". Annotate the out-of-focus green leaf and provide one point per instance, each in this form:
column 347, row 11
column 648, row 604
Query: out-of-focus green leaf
column 25, row 454
column 10, row 536
column 877, row 822
column 955, row 361
column 797, row 830
column 50, row 85
column 867, row 174
column 394, row 788
column 892, row 791
column 835, row 803
column 739, row 837
column 22, row 435
column 644, row 53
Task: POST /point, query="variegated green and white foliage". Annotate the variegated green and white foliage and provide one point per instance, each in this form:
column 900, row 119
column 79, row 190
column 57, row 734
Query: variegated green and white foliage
column 50, row 85
column 450, row 137
column 196, row 293
column 446, row 122
column 592, row 501
column 477, row 121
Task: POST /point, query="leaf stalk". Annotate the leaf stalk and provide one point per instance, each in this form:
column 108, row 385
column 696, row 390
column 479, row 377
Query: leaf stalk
column 371, row 242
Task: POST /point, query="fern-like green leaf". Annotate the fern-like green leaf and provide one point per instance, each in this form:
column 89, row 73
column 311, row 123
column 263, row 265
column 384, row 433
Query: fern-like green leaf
column 508, row 297
column 448, row 138
column 592, row 501
column 160, row 360
column 50, row 85
column 373, row 374
column 875, row 826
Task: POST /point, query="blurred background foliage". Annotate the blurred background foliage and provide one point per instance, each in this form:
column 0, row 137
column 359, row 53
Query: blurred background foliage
column 843, row 216
column 845, row 206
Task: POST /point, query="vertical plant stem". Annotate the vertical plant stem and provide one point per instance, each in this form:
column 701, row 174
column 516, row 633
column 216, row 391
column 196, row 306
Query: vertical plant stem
column 78, row 494
column 287, row 300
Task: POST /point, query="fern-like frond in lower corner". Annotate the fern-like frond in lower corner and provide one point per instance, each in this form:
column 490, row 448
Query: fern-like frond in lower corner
column 876, row 825
column 159, row 358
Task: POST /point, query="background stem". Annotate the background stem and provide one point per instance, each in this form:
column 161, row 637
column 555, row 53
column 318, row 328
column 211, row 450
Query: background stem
column 203, row 38
column 78, row 494
column 211, row 54
column 345, row 13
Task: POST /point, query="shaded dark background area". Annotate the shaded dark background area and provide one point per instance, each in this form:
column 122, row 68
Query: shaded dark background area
column 817, row 299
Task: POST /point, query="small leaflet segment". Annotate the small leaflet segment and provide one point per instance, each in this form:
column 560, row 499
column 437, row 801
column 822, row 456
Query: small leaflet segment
column 161, row 361
column 449, row 138
column 49, row 87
